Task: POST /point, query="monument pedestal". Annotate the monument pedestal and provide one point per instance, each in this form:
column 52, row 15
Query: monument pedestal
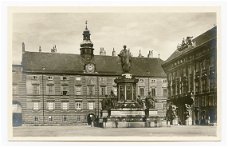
column 175, row 121
column 127, row 111
column 188, row 121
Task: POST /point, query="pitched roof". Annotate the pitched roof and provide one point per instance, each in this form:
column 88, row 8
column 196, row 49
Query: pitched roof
column 60, row 63
column 201, row 39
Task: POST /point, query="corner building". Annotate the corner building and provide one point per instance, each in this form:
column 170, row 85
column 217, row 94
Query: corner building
column 65, row 89
column 192, row 79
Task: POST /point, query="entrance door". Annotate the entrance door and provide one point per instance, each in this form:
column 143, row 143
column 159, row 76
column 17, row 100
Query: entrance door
column 90, row 118
column 17, row 115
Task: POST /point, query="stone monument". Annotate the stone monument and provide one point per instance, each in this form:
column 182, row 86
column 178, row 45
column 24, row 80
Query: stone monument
column 125, row 109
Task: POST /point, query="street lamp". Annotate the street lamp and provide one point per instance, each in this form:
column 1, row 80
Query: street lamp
column 98, row 97
column 43, row 69
column 148, row 74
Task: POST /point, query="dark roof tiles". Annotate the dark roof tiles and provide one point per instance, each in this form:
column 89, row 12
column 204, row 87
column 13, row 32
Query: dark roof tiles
column 60, row 63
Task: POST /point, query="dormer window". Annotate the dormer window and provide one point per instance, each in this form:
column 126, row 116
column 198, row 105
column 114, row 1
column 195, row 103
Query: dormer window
column 34, row 77
column 50, row 78
column 153, row 81
column 141, row 80
column 64, row 78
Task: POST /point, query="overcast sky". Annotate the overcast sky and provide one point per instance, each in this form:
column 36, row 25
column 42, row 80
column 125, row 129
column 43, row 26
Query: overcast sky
column 160, row 32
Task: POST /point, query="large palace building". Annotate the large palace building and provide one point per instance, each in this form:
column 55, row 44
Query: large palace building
column 191, row 72
column 65, row 89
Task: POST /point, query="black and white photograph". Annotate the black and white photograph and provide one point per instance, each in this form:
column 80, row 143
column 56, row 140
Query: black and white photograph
column 114, row 73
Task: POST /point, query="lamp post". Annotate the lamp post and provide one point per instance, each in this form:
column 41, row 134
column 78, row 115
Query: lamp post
column 148, row 73
column 43, row 68
column 98, row 98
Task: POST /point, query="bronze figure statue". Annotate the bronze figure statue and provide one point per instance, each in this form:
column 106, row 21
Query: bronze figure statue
column 125, row 56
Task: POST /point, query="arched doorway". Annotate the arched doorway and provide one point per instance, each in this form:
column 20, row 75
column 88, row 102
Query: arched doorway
column 90, row 118
column 17, row 114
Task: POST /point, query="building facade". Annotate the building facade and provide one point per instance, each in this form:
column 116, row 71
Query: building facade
column 66, row 89
column 192, row 75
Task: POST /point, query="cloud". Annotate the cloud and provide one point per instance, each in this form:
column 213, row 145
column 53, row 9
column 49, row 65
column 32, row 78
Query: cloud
column 160, row 32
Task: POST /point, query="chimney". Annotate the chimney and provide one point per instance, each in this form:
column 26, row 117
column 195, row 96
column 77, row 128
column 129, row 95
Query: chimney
column 54, row 49
column 113, row 52
column 140, row 55
column 159, row 56
column 23, row 47
column 102, row 51
column 40, row 49
column 150, row 55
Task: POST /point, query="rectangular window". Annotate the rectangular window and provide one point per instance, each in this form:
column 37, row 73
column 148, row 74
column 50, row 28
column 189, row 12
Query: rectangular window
column 50, row 89
column 64, row 90
column 153, row 91
column 14, row 89
column 36, row 89
column 91, row 105
column 102, row 90
column 103, row 80
column 91, row 90
column 165, row 92
column 114, row 89
column 78, row 118
column 141, row 91
column 64, row 118
column 35, row 106
column 77, row 90
column 204, row 85
column 197, row 87
column 78, row 105
column 49, row 118
column 197, row 66
column 36, row 118
column 64, row 105
column 50, row 105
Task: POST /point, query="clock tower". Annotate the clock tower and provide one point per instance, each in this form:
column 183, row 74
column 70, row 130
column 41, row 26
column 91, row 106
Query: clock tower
column 86, row 47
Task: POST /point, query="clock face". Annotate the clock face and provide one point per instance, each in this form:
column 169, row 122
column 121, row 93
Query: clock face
column 90, row 68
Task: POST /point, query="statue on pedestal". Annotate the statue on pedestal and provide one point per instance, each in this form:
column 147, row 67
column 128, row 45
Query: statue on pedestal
column 125, row 56
column 171, row 113
column 149, row 101
column 189, row 40
column 188, row 111
column 139, row 102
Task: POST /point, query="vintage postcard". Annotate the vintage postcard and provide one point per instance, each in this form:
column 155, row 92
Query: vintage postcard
column 114, row 73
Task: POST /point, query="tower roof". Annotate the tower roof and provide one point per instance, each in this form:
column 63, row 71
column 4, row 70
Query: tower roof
column 86, row 43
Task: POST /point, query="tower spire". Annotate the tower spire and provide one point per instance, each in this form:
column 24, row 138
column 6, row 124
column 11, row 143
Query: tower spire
column 86, row 25
column 23, row 47
column 86, row 47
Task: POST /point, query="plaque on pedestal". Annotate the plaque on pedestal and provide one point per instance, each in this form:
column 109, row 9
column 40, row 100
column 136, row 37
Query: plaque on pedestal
column 153, row 112
column 127, row 113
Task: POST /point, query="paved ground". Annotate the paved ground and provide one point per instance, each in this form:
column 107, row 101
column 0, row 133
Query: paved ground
column 61, row 131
